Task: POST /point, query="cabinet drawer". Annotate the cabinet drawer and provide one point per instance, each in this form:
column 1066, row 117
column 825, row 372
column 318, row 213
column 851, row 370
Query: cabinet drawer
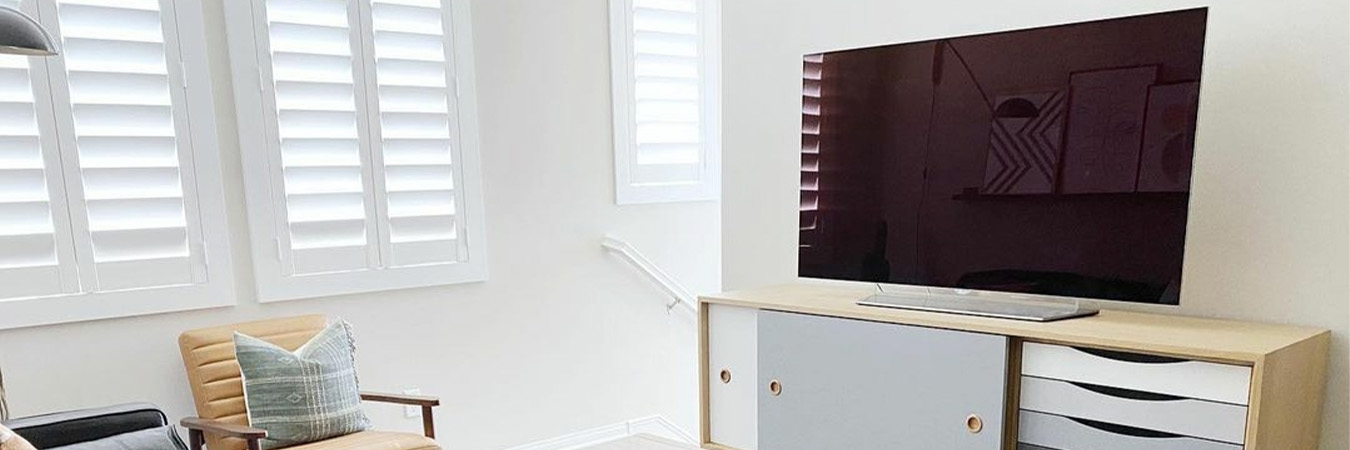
column 1176, row 415
column 1191, row 379
column 732, row 371
column 1050, row 432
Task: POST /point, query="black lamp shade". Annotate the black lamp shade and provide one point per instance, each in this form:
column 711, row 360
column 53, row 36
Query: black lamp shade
column 21, row 35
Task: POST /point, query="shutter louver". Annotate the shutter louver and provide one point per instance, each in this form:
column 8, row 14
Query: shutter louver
column 415, row 102
column 667, row 71
column 28, row 238
column 317, row 124
column 123, row 125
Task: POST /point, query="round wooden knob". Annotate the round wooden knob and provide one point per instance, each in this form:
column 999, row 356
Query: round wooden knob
column 726, row 376
column 974, row 424
column 775, row 388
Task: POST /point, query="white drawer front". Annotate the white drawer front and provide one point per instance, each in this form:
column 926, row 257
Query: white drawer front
column 733, row 347
column 1192, row 379
column 1060, row 433
column 1187, row 417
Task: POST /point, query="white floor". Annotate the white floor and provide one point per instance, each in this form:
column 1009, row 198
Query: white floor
column 642, row 442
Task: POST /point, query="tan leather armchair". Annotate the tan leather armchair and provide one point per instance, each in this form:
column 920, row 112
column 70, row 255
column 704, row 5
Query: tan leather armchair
column 222, row 422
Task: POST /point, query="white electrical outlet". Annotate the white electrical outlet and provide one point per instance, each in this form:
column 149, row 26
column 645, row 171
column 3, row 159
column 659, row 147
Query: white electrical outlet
column 412, row 412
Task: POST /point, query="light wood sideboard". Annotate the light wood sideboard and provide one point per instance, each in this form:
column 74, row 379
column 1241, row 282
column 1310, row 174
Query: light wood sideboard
column 801, row 366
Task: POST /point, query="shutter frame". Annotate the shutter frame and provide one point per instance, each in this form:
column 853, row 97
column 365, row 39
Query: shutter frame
column 637, row 182
column 249, row 65
column 210, row 281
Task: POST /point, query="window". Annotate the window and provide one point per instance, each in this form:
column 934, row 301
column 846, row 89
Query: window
column 359, row 130
column 667, row 109
column 110, row 198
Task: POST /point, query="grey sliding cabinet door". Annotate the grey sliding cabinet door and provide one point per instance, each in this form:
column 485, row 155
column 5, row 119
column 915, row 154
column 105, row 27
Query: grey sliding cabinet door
column 850, row 384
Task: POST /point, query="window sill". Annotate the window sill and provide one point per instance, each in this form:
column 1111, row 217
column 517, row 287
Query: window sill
column 70, row 308
column 278, row 289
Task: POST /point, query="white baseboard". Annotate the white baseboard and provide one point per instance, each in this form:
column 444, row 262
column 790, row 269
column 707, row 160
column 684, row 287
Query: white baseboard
column 653, row 425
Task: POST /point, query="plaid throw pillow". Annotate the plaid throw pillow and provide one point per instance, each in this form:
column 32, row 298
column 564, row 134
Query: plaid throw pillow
column 305, row 396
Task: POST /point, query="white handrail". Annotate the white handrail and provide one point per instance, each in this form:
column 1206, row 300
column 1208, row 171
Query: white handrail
column 678, row 294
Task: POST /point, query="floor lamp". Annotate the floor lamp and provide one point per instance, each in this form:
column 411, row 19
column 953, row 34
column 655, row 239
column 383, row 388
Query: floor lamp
column 21, row 35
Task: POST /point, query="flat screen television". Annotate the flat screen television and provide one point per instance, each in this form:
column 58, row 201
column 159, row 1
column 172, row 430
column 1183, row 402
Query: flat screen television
column 1052, row 161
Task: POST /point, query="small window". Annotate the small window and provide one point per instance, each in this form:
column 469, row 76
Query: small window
column 667, row 111
column 359, row 128
column 109, row 168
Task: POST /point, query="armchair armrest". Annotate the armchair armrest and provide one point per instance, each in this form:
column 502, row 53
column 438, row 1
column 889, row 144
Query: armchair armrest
column 401, row 399
column 223, row 429
column 197, row 427
column 427, row 403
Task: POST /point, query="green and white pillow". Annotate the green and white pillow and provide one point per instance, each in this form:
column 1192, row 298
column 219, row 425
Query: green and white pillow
column 304, row 396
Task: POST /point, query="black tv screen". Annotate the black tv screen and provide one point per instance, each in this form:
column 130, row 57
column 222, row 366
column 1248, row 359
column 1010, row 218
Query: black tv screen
column 1052, row 161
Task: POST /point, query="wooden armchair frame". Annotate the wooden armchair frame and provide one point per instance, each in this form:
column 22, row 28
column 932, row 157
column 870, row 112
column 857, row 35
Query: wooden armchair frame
column 198, row 428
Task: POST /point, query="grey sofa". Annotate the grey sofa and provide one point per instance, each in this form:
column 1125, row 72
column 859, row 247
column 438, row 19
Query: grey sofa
column 139, row 426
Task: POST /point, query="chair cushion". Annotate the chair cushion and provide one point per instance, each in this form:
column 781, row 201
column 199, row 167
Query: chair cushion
column 304, row 396
column 373, row 440
column 164, row 438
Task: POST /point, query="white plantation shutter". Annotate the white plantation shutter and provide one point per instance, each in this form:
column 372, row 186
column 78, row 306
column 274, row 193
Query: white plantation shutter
column 115, row 81
column 109, row 190
column 666, row 110
column 362, row 183
column 666, row 70
column 415, row 137
column 34, row 235
column 324, row 208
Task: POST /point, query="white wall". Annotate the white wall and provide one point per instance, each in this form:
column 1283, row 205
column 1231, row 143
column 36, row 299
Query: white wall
column 561, row 338
column 1270, row 212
